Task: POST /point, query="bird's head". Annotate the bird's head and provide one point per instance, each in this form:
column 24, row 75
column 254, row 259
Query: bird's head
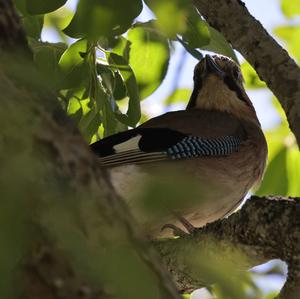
column 218, row 85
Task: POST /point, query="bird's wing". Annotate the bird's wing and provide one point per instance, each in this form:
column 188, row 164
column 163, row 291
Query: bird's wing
column 159, row 140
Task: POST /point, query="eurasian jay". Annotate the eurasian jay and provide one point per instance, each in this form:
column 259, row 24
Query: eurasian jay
column 216, row 144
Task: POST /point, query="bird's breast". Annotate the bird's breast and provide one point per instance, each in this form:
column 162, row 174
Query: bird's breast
column 202, row 189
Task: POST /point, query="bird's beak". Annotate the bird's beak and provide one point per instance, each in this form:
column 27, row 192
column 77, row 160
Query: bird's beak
column 212, row 68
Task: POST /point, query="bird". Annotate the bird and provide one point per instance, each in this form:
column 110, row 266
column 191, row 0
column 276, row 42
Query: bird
column 207, row 156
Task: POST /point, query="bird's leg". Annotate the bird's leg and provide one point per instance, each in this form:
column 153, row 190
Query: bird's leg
column 177, row 231
column 187, row 225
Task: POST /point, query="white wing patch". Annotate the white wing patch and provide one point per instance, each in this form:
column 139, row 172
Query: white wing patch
column 131, row 144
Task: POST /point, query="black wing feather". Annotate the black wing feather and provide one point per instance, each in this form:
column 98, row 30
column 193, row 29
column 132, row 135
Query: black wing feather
column 152, row 139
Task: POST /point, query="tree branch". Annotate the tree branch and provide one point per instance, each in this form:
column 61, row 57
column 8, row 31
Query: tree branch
column 264, row 229
column 270, row 60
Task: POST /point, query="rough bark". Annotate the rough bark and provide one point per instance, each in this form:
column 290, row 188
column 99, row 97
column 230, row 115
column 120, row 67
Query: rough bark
column 50, row 177
column 270, row 60
column 264, row 229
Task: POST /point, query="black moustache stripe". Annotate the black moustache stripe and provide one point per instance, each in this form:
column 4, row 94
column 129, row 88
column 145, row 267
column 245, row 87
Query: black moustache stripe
column 232, row 85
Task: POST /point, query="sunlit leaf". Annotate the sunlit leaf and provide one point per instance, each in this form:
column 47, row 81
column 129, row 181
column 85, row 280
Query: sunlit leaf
column 37, row 7
column 290, row 8
column 149, row 57
column 251, row 78
column 219, row 44
column 293, row 168
column 73, row 66
column 106, row 18
column 58, row 20
column 290, row 34
column 163, row 9
column 122, row 48
column 74, row 109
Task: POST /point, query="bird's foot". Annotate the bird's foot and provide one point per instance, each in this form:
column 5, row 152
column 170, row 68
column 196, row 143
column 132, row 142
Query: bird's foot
column 177, row 231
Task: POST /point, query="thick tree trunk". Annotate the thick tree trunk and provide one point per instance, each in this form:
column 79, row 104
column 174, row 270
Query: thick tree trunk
column 80, row 239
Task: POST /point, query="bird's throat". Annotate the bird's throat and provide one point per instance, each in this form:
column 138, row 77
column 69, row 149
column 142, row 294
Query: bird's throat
column 216, row 95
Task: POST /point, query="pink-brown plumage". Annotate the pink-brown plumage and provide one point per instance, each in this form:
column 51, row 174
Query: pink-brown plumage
column 219, row 106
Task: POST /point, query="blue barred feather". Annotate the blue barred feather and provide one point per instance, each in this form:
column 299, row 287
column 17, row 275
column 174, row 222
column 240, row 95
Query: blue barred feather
column 191, row 147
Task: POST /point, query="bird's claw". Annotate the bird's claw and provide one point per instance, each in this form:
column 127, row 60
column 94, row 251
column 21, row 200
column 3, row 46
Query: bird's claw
column 187, row 225
column 177, row 231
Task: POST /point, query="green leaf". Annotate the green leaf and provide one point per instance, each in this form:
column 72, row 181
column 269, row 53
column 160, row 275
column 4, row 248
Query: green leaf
column 103, row 18
column 275, row 181
column 120, row 90
column 219, row 44
column 290, row 8
column 73, row 66
column 290, row 34
column 149, row 57
column 46, row 56
column 122, row 48
column 163, row 9
column 293, row 168
column 195, row 53
column 109, row 118
column 251, row 78
column 134, row 110
column 89, row 124
column 74, row 109
column 37, row 7
column 197, row 34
